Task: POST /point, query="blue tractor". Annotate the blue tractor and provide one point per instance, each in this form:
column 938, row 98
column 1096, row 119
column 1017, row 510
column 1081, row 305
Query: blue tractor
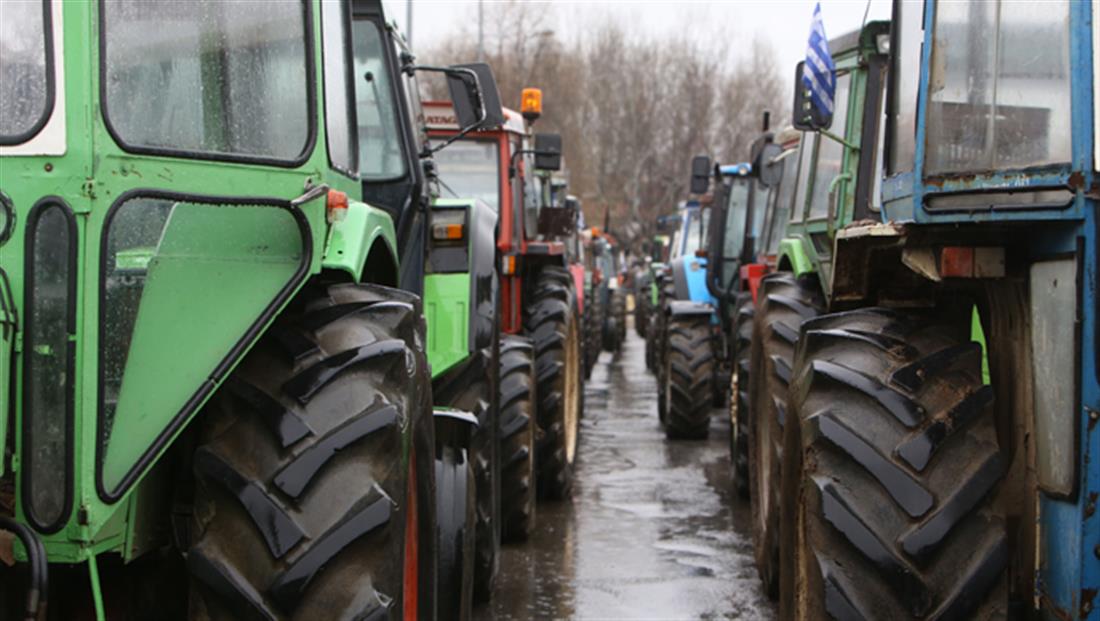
column 693, row 367
column 944, row 460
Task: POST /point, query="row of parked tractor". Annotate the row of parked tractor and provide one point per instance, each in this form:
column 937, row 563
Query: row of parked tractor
column 895, row 301
column 279, row 340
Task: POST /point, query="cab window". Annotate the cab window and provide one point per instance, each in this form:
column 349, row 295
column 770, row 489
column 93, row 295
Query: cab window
column 380, row 143
column 782, row 196
column 805, row 168
column 209, row 79
column 469, row 169
column 339, row 110
column 905, row 79
column 25, row 70
column 1001, row 100
column 830, row 153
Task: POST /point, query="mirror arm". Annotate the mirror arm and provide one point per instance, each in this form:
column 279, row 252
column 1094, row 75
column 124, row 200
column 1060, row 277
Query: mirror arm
column 832, row 136
column 428, row 151
column 515, row 154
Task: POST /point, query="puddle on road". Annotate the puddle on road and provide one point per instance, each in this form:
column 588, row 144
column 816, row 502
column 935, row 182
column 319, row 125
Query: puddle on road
column 651, row 532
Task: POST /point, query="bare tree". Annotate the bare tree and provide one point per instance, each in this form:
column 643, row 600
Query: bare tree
column 632, row 110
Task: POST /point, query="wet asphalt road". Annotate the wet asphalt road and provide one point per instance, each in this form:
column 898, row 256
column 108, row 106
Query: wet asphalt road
column 651, row 532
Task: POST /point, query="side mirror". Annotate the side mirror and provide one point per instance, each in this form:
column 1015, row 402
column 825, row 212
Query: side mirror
column 476, row 98
column 548, row 151
column 806, row 116
column 700, row 174
column 769, row 171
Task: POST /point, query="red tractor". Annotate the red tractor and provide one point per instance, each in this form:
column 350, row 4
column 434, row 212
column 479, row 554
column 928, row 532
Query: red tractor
column 541, row 379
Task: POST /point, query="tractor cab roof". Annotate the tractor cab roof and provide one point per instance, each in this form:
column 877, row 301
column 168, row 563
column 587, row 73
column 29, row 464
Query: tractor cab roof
column 439, row 116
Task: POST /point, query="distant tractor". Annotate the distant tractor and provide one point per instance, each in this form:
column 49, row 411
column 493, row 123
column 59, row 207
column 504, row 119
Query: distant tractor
column 218, row 253
column 540, row 303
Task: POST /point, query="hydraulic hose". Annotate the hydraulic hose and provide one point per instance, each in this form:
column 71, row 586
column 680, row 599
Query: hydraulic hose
column 39, row 572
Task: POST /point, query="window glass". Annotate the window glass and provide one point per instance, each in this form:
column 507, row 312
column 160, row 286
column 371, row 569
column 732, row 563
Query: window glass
column 695, row 231
column 530, row 197
column 805, row 171
column 380, row 154
column 49, row 380
column 830, row 153
column 469, row 169
column 208, row 77
column 338, row 112
column 736, row 207
column 761, row 195
column 24, row 70
column 782, row 196
column 906, row 79
column 999, row 90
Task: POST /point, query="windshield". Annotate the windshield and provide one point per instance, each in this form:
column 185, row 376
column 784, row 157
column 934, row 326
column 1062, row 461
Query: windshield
column 26, row 97
column 380, row 156
column 207, row 77
column 999, row 89
column 736, row 209
column 782, row 204
column 469, row 169
column 695, row 230
column 830, row 153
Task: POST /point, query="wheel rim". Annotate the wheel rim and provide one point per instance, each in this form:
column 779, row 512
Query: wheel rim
column 412, row 547
column 571, row 401
column 734, row 431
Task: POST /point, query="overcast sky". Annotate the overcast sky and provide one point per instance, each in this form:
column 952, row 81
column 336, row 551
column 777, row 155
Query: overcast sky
column 786, row 23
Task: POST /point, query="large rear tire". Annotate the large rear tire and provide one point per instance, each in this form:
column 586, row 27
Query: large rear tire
column 551, row 322
column 615, row 332
column 895, row 465
column 456, row 500
column 307, row 503
column 517, row 438
column 593, row 329
column 662, row 365
column 740, row 379
column 471, row 391
column 688, row 377
column 641, row 306
column 784, row 302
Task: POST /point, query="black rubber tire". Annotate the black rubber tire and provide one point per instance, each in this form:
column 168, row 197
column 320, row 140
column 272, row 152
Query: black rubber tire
column 615, row 323
column 740, row 378
column 688, row 376
column 895, row 515
column 471, row 391
column 593, row 330
column 302, row 478
column 550, row 320
column 641, row 306
column 783, row 303
column 660, row 349
column 518, row 399
column 456, row 502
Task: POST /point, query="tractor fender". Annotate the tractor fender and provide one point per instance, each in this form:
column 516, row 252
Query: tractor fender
column 351, row 240
column 453, row 427
column 792, row 252
column 682, row 308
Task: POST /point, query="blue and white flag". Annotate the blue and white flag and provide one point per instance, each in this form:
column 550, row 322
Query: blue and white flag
column 819, row 72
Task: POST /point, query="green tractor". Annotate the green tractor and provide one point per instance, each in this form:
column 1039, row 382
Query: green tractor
column 227, row 292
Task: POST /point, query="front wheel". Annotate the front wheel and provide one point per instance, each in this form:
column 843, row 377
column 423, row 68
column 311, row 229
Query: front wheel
column 518, row 398
column 894, row 466
column 551, row 322
column 783, row 304
column 456, row 500
column 740, row 379
column 307, row 504
column 688, row 376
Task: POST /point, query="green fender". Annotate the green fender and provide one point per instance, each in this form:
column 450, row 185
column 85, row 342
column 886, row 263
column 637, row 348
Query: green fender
column 350, row 240
column 792, row 249
column 460, row 301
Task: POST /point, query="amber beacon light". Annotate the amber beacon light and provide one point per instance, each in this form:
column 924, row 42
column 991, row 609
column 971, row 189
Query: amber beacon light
column 531, row 103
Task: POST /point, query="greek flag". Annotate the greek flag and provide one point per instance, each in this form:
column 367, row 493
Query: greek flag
column 819, row 72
